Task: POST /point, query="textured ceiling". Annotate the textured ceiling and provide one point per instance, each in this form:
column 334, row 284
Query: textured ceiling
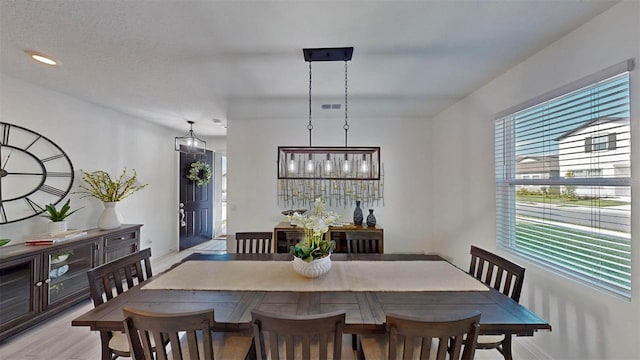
column 168, row 61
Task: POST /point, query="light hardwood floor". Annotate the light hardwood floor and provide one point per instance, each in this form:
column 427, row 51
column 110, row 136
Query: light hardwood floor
column 56, row 339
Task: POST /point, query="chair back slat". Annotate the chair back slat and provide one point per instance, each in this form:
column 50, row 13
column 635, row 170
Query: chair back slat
column 174, row 329
column 409, row 336
column 299, row 336
column 499, row 273
column 108, row 280
column 254, row 242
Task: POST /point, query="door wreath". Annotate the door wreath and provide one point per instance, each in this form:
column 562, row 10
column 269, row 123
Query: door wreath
column 200, row 173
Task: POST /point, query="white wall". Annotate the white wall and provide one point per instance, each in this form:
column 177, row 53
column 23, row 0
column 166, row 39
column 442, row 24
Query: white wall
column 96, row 138
column 252, row 184
column 587, row 324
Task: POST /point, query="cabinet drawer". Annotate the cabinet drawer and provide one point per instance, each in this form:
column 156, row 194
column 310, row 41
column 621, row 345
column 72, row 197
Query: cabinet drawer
column 120, row 239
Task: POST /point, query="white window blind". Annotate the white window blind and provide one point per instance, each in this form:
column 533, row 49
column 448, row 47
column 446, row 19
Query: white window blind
column 563, row 182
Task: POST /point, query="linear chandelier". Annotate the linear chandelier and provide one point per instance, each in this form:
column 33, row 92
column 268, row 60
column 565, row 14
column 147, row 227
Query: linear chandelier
column 338, row 174
column 190, row 143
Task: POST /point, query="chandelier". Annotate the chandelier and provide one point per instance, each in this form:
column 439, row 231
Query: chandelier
column 338, row 174
column 190, row 143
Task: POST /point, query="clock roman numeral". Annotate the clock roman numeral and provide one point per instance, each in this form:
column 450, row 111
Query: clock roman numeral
column 58, row 174
column 53, row 191
column 5, row 133
column 3, row 214
column 35, row 207
column 52, row 157
column 33, row 142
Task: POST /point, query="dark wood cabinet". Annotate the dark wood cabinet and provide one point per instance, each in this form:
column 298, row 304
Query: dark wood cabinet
column 37, row 282
column 287, row 235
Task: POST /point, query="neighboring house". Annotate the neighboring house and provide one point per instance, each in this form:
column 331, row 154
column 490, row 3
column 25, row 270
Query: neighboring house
column 599, row 148
column 533, row 167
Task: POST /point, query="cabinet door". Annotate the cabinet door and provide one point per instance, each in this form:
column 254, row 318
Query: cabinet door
column 19, row 291
column 66, row 273
column 121, row 244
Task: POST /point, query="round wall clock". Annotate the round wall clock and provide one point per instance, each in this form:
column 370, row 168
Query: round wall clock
column 34, row 172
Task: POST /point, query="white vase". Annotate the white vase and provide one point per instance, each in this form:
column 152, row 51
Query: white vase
column 312, row 269
column 110, row 217
column 56, row 227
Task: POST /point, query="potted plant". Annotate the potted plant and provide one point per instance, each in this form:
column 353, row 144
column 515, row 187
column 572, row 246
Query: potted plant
column 312, row 253
column 100, row 185
column 58, row 217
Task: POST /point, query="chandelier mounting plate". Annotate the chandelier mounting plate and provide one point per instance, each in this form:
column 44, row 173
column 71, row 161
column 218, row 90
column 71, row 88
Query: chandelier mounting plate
column 328, row 54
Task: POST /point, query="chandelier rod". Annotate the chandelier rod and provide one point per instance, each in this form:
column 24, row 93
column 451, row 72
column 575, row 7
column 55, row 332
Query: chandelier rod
column 346, row 123
column 310, row 126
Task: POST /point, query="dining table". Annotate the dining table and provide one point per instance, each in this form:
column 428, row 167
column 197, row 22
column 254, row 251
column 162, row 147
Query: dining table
column 365, row 286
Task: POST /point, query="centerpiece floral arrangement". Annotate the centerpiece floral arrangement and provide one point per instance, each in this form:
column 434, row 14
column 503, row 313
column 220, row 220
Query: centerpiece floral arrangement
column 103, row 187
column 315, row 224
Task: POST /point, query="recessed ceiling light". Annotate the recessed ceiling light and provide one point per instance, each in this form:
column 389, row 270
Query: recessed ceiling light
column 40, row 57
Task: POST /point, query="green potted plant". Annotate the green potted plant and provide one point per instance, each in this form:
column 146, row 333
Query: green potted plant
column 312, row 253
column 109, row 190
column 58, row 217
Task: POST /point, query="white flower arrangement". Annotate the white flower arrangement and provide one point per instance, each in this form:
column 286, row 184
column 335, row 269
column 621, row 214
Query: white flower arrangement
column 315, row 225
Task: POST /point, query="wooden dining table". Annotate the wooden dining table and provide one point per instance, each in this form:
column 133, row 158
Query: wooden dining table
column 365, row 310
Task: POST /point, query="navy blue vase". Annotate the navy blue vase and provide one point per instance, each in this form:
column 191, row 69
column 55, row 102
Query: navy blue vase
column 357, row 214
column 371, row 220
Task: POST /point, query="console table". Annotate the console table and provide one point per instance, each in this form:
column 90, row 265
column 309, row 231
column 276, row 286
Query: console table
column 37, row 282
column 286, row 235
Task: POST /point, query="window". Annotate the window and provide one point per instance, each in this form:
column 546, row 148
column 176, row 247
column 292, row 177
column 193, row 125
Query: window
column 575, row 216
column 600, row 142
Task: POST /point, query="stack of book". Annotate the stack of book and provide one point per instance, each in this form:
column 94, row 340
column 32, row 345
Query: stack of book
column 48, row 239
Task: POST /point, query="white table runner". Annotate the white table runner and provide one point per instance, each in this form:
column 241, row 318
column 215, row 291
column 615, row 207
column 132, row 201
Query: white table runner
column 343, row 276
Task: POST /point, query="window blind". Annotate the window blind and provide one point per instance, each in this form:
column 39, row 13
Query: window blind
column 563, row 182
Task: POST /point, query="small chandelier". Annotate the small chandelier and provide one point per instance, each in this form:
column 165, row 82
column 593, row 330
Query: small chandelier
column 339, row 174
column 190, row 143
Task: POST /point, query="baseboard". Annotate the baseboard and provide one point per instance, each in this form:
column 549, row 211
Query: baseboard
column 526, row 349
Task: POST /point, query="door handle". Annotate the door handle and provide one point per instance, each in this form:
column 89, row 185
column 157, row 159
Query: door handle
column 183, row 223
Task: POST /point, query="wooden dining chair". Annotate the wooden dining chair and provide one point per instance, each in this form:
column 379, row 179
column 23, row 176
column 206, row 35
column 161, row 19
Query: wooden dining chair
column 298, row 336
column 432, row 337
column 504, row 276
column 364, row 242
column 292, row 238
column 188, row 336
column 254, row 242
column 109, row 280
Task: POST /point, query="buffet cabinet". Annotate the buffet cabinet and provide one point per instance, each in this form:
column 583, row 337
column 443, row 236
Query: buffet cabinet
column 37, row 282
column 287, row 235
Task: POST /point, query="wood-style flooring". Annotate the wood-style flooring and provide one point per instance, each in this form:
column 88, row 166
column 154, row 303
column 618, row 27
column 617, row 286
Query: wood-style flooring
column 56, row 339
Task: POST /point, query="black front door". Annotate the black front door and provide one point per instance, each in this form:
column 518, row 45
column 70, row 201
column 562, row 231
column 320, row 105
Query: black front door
column 196, row 222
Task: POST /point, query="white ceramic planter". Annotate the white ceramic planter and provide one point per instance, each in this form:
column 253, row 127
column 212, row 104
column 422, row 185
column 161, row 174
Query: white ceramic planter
column 56, row 227
column 110, row 217
column 312, row 269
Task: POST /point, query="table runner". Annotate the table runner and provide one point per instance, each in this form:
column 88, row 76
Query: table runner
column 343, row 276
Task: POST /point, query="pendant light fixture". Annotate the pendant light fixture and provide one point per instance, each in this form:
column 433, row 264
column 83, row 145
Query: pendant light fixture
column 190, row 143
column 339, row 174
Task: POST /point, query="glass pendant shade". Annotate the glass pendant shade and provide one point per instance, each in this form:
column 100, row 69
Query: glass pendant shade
column 190, row 143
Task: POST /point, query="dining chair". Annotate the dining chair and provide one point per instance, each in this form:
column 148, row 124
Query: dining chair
column 432, row 337
column 291, row 337
column 504, row 276
column 292, row 238
column 109, row 280
column 364, row 242
column 254, row 242
column 187, row 335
